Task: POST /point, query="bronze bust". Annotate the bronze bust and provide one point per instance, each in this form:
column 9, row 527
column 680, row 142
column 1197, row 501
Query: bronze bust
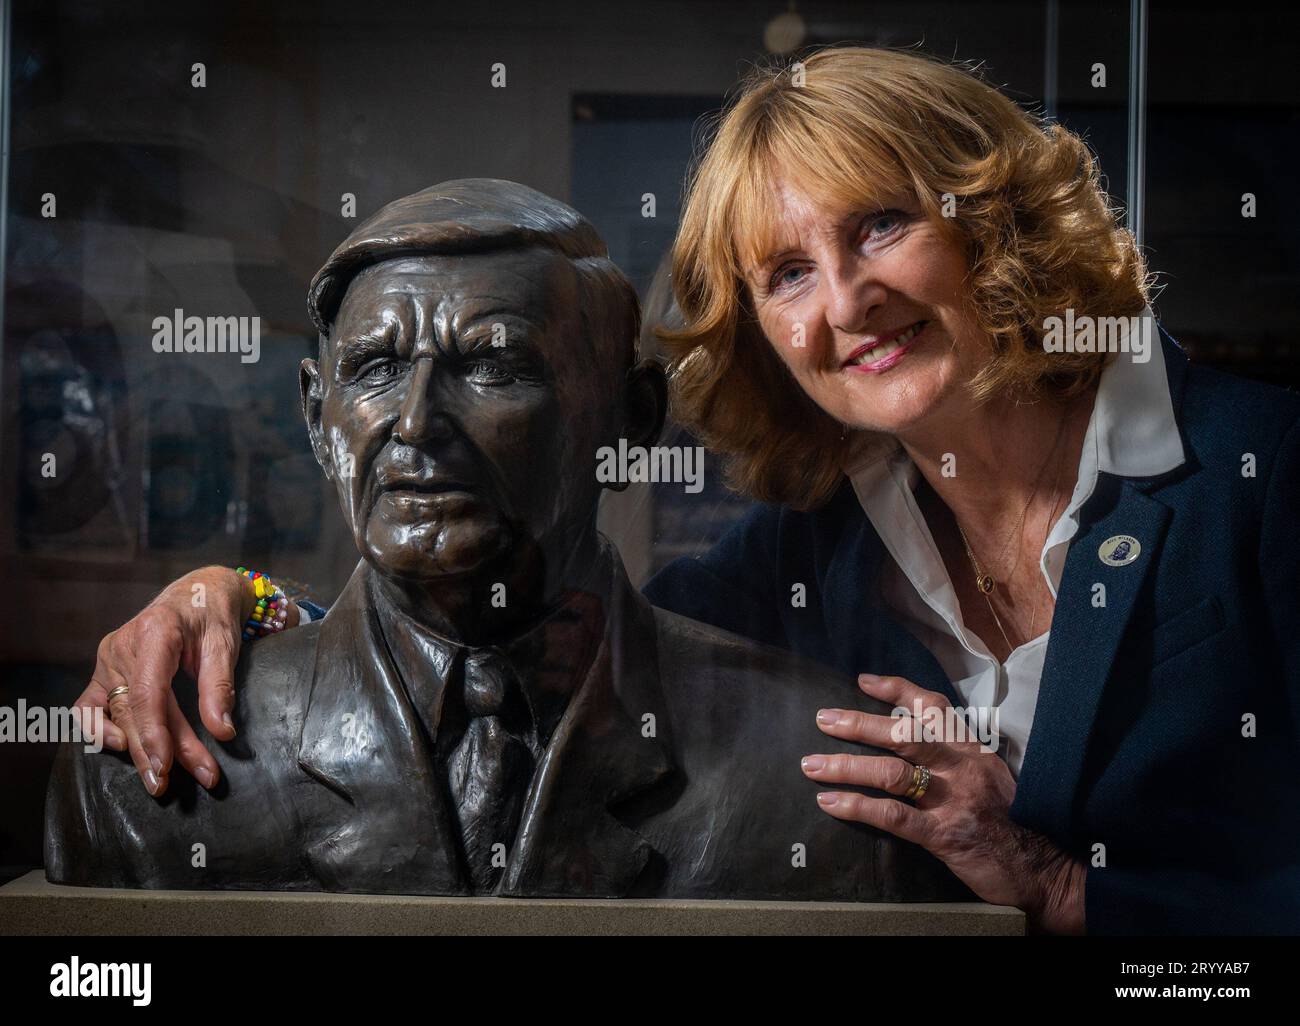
column 490, row 707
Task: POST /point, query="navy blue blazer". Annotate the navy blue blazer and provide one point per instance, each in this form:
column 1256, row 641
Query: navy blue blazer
column 1164, row 748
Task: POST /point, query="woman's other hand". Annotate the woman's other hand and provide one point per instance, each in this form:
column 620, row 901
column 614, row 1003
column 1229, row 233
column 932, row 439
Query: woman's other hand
column 195, row 623
column 963, row 817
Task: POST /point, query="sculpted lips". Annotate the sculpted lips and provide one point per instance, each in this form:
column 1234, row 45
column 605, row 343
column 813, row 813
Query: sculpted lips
column 421, row 489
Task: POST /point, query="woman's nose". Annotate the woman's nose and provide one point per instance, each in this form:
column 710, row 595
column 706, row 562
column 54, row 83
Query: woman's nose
column 421, row 420
column 851, row 295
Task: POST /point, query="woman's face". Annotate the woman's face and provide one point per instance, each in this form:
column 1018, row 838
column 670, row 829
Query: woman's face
column 866, row 309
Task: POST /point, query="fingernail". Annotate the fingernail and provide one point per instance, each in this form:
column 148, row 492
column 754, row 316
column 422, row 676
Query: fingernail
column 156, row 763
column 151, row 781
column 828, row 716
column 827, row 798
column 205, row 776
column 225, row 718
column 812, row 763
column 868, row 679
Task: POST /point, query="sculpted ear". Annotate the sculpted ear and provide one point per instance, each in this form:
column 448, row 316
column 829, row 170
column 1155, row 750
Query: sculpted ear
column 646, row 403
column 309, row 386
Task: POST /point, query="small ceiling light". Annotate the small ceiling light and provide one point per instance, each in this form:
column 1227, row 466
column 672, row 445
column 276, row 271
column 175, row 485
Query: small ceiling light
column 786, row 32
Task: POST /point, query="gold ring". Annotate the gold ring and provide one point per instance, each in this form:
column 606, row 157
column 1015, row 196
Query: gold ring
column 920, row 782
column 121, row 689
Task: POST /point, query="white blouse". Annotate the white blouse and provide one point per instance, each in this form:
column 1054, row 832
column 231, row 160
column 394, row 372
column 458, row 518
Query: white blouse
column 1132, row 433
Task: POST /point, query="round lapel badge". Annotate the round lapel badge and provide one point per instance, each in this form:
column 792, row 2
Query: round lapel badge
column 1119, row 550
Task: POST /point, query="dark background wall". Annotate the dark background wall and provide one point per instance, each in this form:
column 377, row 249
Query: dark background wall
column 223, row 201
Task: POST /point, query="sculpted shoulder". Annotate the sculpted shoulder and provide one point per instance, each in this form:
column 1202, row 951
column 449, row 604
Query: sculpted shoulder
column 280, row 666
column 736, row 705
column 273, row 679
column 707, row 665
column 746, row 820
column 104, row 829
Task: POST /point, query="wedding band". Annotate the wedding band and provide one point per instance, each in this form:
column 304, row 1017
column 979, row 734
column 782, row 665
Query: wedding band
column 121, row 689
column 920, row 782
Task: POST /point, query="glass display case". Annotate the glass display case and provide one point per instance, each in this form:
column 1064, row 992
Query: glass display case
column 167, row 160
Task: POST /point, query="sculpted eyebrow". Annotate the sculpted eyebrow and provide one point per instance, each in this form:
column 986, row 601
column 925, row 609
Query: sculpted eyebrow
column 359, row 348
column 475, row 331
column 505, row 315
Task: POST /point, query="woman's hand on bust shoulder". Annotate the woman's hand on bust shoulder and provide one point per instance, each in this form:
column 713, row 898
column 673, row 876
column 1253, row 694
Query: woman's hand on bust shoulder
column 197, row 628
column 963, row 817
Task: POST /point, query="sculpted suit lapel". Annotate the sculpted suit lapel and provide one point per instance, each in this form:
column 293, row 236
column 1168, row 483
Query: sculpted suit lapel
column 361, row 738
column 393, row 805
column 569, row 842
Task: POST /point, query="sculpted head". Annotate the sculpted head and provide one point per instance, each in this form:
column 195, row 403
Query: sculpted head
column 477, row 348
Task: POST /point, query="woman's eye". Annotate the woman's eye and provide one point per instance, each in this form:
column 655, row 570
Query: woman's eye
column 785, row 277
column 884, row 223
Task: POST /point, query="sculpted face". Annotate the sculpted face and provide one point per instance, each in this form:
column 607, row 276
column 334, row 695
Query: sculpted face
column 463, row 394
column 859, row 283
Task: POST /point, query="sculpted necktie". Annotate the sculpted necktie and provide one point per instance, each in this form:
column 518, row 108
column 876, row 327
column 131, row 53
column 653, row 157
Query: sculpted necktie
column 489, row 770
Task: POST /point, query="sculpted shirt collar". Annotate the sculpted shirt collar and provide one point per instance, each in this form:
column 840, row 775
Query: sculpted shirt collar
column 551, row 658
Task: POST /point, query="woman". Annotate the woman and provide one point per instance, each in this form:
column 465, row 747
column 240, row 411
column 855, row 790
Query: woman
column 1092, row 551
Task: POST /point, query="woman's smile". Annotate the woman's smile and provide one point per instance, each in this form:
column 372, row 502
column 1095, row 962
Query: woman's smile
column 884, row 351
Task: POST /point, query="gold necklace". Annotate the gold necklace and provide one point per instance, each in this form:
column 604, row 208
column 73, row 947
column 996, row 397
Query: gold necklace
column 981, row 579
column 984, row 582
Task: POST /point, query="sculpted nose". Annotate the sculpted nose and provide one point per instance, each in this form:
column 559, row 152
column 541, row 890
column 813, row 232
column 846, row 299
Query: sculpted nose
column 420, row 419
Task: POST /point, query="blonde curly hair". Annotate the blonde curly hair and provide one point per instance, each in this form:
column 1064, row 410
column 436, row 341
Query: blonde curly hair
column 853, row 125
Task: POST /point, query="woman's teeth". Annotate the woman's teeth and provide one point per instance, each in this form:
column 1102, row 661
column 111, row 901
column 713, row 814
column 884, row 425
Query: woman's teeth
column 883, row 350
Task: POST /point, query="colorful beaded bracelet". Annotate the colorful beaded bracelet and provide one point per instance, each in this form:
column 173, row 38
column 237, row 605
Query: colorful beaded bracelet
column 272, row 607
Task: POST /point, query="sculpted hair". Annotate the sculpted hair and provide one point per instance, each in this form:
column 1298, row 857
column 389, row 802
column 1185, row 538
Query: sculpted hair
column 863, row 124
column 476, row 215
column 611, row 309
